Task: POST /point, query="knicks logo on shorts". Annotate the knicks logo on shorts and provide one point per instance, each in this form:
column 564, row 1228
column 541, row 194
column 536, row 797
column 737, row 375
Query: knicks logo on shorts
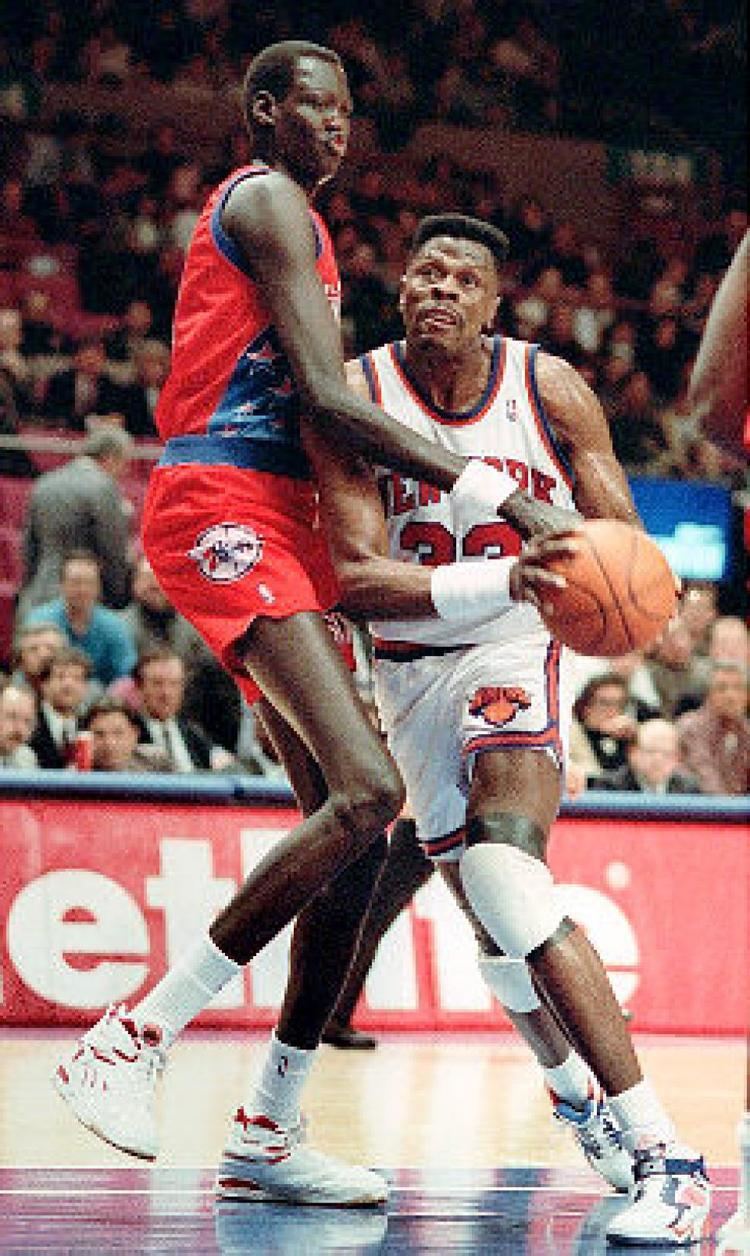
column 226, row 552
column 498, row 704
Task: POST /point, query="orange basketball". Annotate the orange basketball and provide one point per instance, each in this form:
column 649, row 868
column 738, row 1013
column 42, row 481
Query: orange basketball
column 620, row 591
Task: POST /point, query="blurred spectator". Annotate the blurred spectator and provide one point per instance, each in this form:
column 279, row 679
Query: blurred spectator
column 642, row 700
column 671, row 665
column 81, row 389
column 699, row 611
column 133, row 332
column 211, row 699
column 17, row 716
column 115, row 731
column 95, row 629
column 728, row 641
column 256, row 751
column 636, row 432
column 33, row 648
column 138, row 399
column 368, row 301
column 79, row 506
column 532, row 309
column 653, row 765
column 601, row 731
column 596, row 312
column 530, row 232
column 63, row 696
column 715, row 739
column 559, row 337
column 160, row 682
column 566, row 255
column 15, row 372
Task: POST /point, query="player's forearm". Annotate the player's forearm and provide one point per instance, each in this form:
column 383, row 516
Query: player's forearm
column 383, row 588
column 368, row 430
column 533, row 518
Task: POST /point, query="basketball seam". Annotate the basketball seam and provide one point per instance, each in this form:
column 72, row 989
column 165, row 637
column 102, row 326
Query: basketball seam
column 615, row 599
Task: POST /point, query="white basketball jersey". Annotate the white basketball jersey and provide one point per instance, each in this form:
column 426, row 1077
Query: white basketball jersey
column 508, row 428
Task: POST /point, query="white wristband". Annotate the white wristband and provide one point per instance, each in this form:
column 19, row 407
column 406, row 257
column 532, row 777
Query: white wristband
column 472, row 591
column 483, row 486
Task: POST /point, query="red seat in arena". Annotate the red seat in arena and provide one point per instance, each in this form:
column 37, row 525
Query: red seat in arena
column 13, row 497
column 11, row 553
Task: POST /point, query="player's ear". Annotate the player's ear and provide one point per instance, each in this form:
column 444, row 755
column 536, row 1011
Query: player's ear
column 264, row 109
column 489, row 323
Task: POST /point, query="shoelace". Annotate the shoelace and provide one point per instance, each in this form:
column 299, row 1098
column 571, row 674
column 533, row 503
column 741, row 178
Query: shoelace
column 597, row 1139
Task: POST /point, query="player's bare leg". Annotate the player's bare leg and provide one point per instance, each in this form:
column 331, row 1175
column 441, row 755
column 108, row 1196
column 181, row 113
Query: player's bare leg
column 363, row 792
column 513, row 803
column 577, row 1098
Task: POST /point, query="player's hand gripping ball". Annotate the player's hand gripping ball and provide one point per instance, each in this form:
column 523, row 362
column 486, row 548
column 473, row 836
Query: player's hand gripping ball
column 619, row 595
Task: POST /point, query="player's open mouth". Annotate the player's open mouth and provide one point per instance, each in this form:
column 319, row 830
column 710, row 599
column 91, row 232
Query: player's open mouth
column 438, row 316
column 336, row 144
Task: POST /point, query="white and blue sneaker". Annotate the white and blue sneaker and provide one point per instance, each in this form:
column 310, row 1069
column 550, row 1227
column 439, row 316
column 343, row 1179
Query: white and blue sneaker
column 598, row 1135
column 266, row 1161
column 670, row 1202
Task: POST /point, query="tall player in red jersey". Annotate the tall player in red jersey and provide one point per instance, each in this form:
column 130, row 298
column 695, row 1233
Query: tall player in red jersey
column 230, row 528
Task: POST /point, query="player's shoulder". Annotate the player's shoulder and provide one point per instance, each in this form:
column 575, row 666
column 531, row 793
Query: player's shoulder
column 262, row 196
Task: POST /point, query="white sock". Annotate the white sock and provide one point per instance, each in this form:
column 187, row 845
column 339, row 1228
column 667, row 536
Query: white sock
column 570, row 1080
column 186, row 989
column 642, row 1118
column 279, row 1089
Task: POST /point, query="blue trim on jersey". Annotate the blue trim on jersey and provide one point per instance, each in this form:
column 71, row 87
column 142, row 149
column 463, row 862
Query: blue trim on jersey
column 369, row 374
column 452, row 416
column 236, row 451
column 223, row 242
column 533, row 351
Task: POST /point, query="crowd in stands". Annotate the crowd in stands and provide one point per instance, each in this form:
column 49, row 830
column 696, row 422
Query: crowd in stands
column 94, row 224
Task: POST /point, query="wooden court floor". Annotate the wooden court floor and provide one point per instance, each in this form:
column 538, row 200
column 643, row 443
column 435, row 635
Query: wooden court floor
column 460, row 1125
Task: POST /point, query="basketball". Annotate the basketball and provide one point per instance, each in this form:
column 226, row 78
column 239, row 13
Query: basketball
column 620, row 591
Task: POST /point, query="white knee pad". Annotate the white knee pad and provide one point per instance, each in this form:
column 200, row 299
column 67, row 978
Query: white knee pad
column 512, row 894
column 510, row 982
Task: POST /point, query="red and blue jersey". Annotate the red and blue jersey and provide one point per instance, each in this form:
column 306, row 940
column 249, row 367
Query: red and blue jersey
column 229, row 373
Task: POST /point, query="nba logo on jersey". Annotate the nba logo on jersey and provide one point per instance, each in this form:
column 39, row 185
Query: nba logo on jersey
column 226, row 552
column 511, row 409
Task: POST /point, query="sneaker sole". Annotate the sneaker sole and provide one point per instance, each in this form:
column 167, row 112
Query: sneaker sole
column 249, row 1193
column 693, row 1235
column 84, row 1116
column 230, row 1185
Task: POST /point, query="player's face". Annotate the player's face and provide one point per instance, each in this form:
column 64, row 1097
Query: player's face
column 449, row 294
column 313, row 122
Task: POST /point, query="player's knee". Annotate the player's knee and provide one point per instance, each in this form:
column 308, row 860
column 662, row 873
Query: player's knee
column 508, row 885
column 371, row 799
column 507, row 829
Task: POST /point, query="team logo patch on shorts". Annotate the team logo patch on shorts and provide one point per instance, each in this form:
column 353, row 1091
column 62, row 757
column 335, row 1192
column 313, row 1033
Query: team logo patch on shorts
column 226, row 552
column 498, row 704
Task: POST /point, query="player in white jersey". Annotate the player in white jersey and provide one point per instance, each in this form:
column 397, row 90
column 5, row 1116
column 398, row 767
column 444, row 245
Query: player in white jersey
column 473, row 691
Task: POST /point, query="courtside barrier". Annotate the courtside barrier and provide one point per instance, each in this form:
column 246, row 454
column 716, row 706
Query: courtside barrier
column 105, row 878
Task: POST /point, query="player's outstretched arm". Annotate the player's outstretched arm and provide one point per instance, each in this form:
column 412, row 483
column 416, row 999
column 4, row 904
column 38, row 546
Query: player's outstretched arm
column 601, row 488
column 718, row 390
column 270, row 222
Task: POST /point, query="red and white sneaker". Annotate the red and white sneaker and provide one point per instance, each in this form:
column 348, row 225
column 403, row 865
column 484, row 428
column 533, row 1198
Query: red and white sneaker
column 264, row 1161
column 108, row 1082
column 598, row 1135
column 670, row 1203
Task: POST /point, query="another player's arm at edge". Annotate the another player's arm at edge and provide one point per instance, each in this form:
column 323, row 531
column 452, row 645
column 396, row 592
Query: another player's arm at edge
column 718, row 390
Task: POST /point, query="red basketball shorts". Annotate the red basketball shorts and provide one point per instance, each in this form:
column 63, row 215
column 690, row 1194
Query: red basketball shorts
column 229, row 544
